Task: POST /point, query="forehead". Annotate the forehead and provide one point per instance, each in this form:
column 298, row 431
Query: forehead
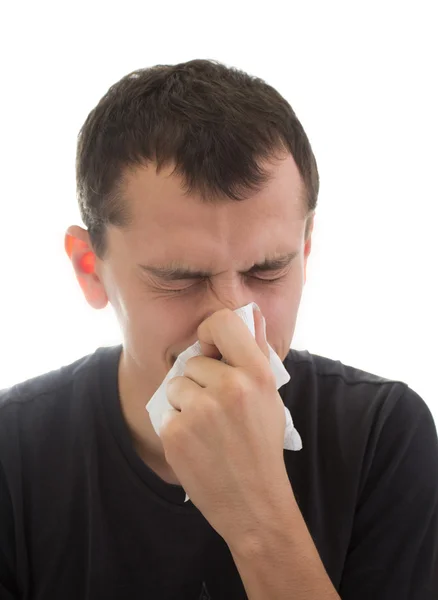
column 167, row 223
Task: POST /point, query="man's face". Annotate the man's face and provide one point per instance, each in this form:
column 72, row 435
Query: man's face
column 159, row 314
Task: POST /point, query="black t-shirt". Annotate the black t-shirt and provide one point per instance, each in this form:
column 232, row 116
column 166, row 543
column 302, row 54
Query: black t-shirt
column 83, row 518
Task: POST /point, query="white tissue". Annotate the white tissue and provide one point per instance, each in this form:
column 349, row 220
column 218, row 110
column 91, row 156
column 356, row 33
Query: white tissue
column 158, row 405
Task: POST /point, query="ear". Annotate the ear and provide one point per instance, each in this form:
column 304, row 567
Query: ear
column 78, row 248
column 308, row 244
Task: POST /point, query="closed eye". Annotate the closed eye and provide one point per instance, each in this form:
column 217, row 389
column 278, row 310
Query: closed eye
column 261, row 279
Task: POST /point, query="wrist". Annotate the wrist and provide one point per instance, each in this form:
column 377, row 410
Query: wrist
column 272, row 524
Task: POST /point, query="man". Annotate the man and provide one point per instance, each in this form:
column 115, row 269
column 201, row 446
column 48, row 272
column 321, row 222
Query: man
column 198, row 186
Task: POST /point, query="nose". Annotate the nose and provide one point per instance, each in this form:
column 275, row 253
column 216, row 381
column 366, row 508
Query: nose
column 238, row 301
column 231, row 307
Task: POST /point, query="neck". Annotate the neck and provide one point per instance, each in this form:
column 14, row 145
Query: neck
column 134, row 395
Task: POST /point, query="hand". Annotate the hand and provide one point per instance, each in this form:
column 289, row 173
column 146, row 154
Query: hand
column 225, row 439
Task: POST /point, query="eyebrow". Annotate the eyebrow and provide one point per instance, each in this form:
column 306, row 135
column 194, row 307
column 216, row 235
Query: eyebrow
column 176, row 272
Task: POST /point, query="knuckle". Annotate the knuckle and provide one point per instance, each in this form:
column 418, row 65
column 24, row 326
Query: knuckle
column 265, row 378
column 236, row 389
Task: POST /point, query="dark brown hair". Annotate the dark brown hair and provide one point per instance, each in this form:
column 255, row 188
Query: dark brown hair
column 215, row 123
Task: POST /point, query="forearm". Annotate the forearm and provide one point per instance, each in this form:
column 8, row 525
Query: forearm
column 283, row 562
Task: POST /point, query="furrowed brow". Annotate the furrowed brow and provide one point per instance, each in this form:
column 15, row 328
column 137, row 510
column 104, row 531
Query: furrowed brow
column 177, row 272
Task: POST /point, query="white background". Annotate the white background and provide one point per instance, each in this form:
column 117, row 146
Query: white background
column 362, row 78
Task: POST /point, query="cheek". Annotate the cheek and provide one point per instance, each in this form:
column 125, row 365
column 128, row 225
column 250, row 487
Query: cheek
column 281, row 314
column 157, row 328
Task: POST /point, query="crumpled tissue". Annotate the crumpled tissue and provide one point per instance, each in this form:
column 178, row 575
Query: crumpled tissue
column 159, row 405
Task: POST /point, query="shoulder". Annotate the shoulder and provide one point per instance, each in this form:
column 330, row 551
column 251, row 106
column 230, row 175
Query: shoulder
column 46, row 385
column 364, row 412
column 330, row 371
column 333, row 383
column 30, row 409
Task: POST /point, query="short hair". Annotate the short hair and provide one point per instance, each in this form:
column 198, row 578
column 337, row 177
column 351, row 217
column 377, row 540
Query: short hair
column 215, row 123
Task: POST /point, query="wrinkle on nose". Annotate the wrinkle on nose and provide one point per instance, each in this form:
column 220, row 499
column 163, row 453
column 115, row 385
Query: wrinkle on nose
column 229, row 294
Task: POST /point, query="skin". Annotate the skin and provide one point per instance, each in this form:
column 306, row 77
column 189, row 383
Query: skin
column 157, row 321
